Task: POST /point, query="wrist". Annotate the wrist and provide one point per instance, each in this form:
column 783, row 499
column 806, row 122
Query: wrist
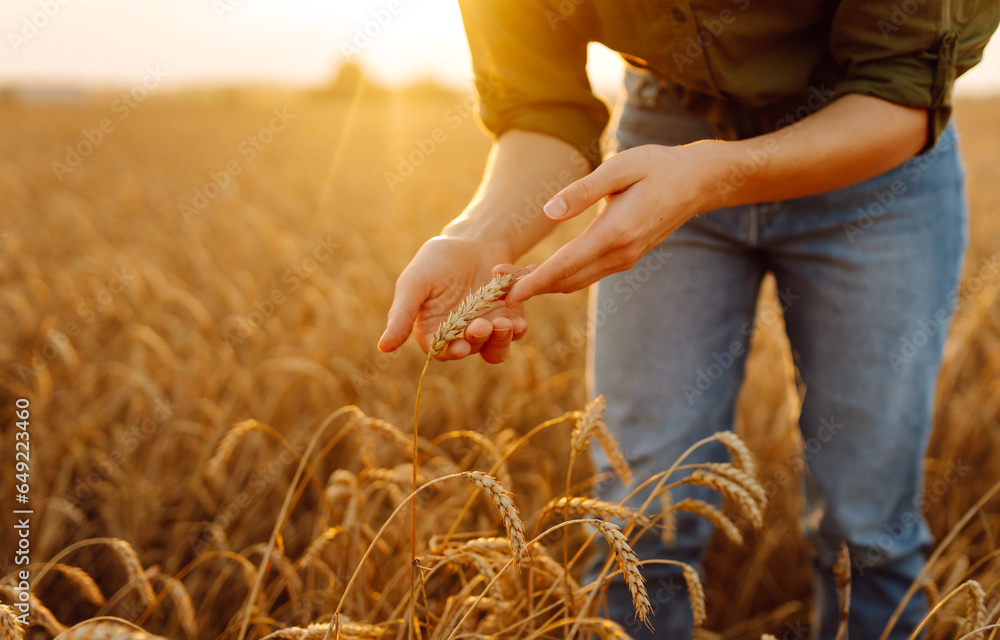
column 497, row 234
column 495, row 248
column 722, row 177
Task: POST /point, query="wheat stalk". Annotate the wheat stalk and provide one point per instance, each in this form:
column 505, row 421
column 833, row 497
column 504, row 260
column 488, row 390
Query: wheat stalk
column 739, row 451
column 216, row 466
column 618, row 461
column 732, row 490
column 136, row 574
column 468, row 310
column 182, row 603
column 486, row 445
column 504, row 504
column 590, row 423
column 668, row 521
column 107, row 629
column 485, row 546
column 317, row 546
column 83, row 582
column 975, row 611
column 319, row 631
column 40, row 614
column 742, row 478
column 10, row 628
column 606, row 629
column 842, row 576
column 453, row 327
column 590, row 506
column 713, row 515
column 585, row 423
column 932, row 592
column 628, row 562
column 696, row 594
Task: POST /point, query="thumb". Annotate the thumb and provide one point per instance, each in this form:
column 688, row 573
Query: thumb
column 517, row 272
column 402, row 314
column 616, row 174
column 514, row 270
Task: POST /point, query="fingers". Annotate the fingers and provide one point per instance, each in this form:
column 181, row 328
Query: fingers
column 520, row 328
column 614, row 175
column 402, row 314
column 496, row 349
column 478, row 333
column 571, row 259
column 491, row 340
column 456, row 350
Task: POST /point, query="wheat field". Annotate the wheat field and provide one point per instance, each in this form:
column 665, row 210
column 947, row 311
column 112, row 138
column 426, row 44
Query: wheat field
column 190, row 305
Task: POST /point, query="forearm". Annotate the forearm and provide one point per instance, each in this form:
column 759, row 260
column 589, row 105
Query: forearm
column 525, row 169
column 852, row 139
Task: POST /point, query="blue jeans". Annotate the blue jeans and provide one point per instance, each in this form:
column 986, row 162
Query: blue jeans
column 867, row 278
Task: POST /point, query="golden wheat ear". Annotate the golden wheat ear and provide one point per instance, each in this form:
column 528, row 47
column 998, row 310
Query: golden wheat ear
column 628, row 562
column 579, row 505
column 975, row 612
column 10, row 628
column 504, row 503
column 469, row 310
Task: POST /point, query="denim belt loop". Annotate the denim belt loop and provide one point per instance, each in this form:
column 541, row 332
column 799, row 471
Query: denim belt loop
column 649, row 90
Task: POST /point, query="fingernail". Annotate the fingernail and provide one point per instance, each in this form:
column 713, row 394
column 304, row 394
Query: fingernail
column 382, row 341
column 555, row 208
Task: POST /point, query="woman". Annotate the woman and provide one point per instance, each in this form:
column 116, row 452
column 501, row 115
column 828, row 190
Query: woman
column 756, row 136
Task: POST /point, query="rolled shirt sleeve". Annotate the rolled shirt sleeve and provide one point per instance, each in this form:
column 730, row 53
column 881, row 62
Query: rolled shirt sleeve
column 530, row 66
column 910, row 52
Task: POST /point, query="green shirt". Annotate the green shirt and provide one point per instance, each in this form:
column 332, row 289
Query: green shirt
column 772, row 61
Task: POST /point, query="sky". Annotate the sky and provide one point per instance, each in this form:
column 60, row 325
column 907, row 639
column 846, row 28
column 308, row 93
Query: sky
column 276, row 42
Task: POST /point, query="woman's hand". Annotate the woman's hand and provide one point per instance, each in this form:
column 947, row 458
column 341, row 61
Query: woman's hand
column 650, row 191
column 441, row 275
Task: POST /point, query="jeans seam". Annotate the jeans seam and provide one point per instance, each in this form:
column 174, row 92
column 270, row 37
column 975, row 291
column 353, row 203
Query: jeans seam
column 753, row 226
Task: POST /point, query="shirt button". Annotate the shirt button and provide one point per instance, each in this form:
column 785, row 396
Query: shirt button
column 679, row 15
